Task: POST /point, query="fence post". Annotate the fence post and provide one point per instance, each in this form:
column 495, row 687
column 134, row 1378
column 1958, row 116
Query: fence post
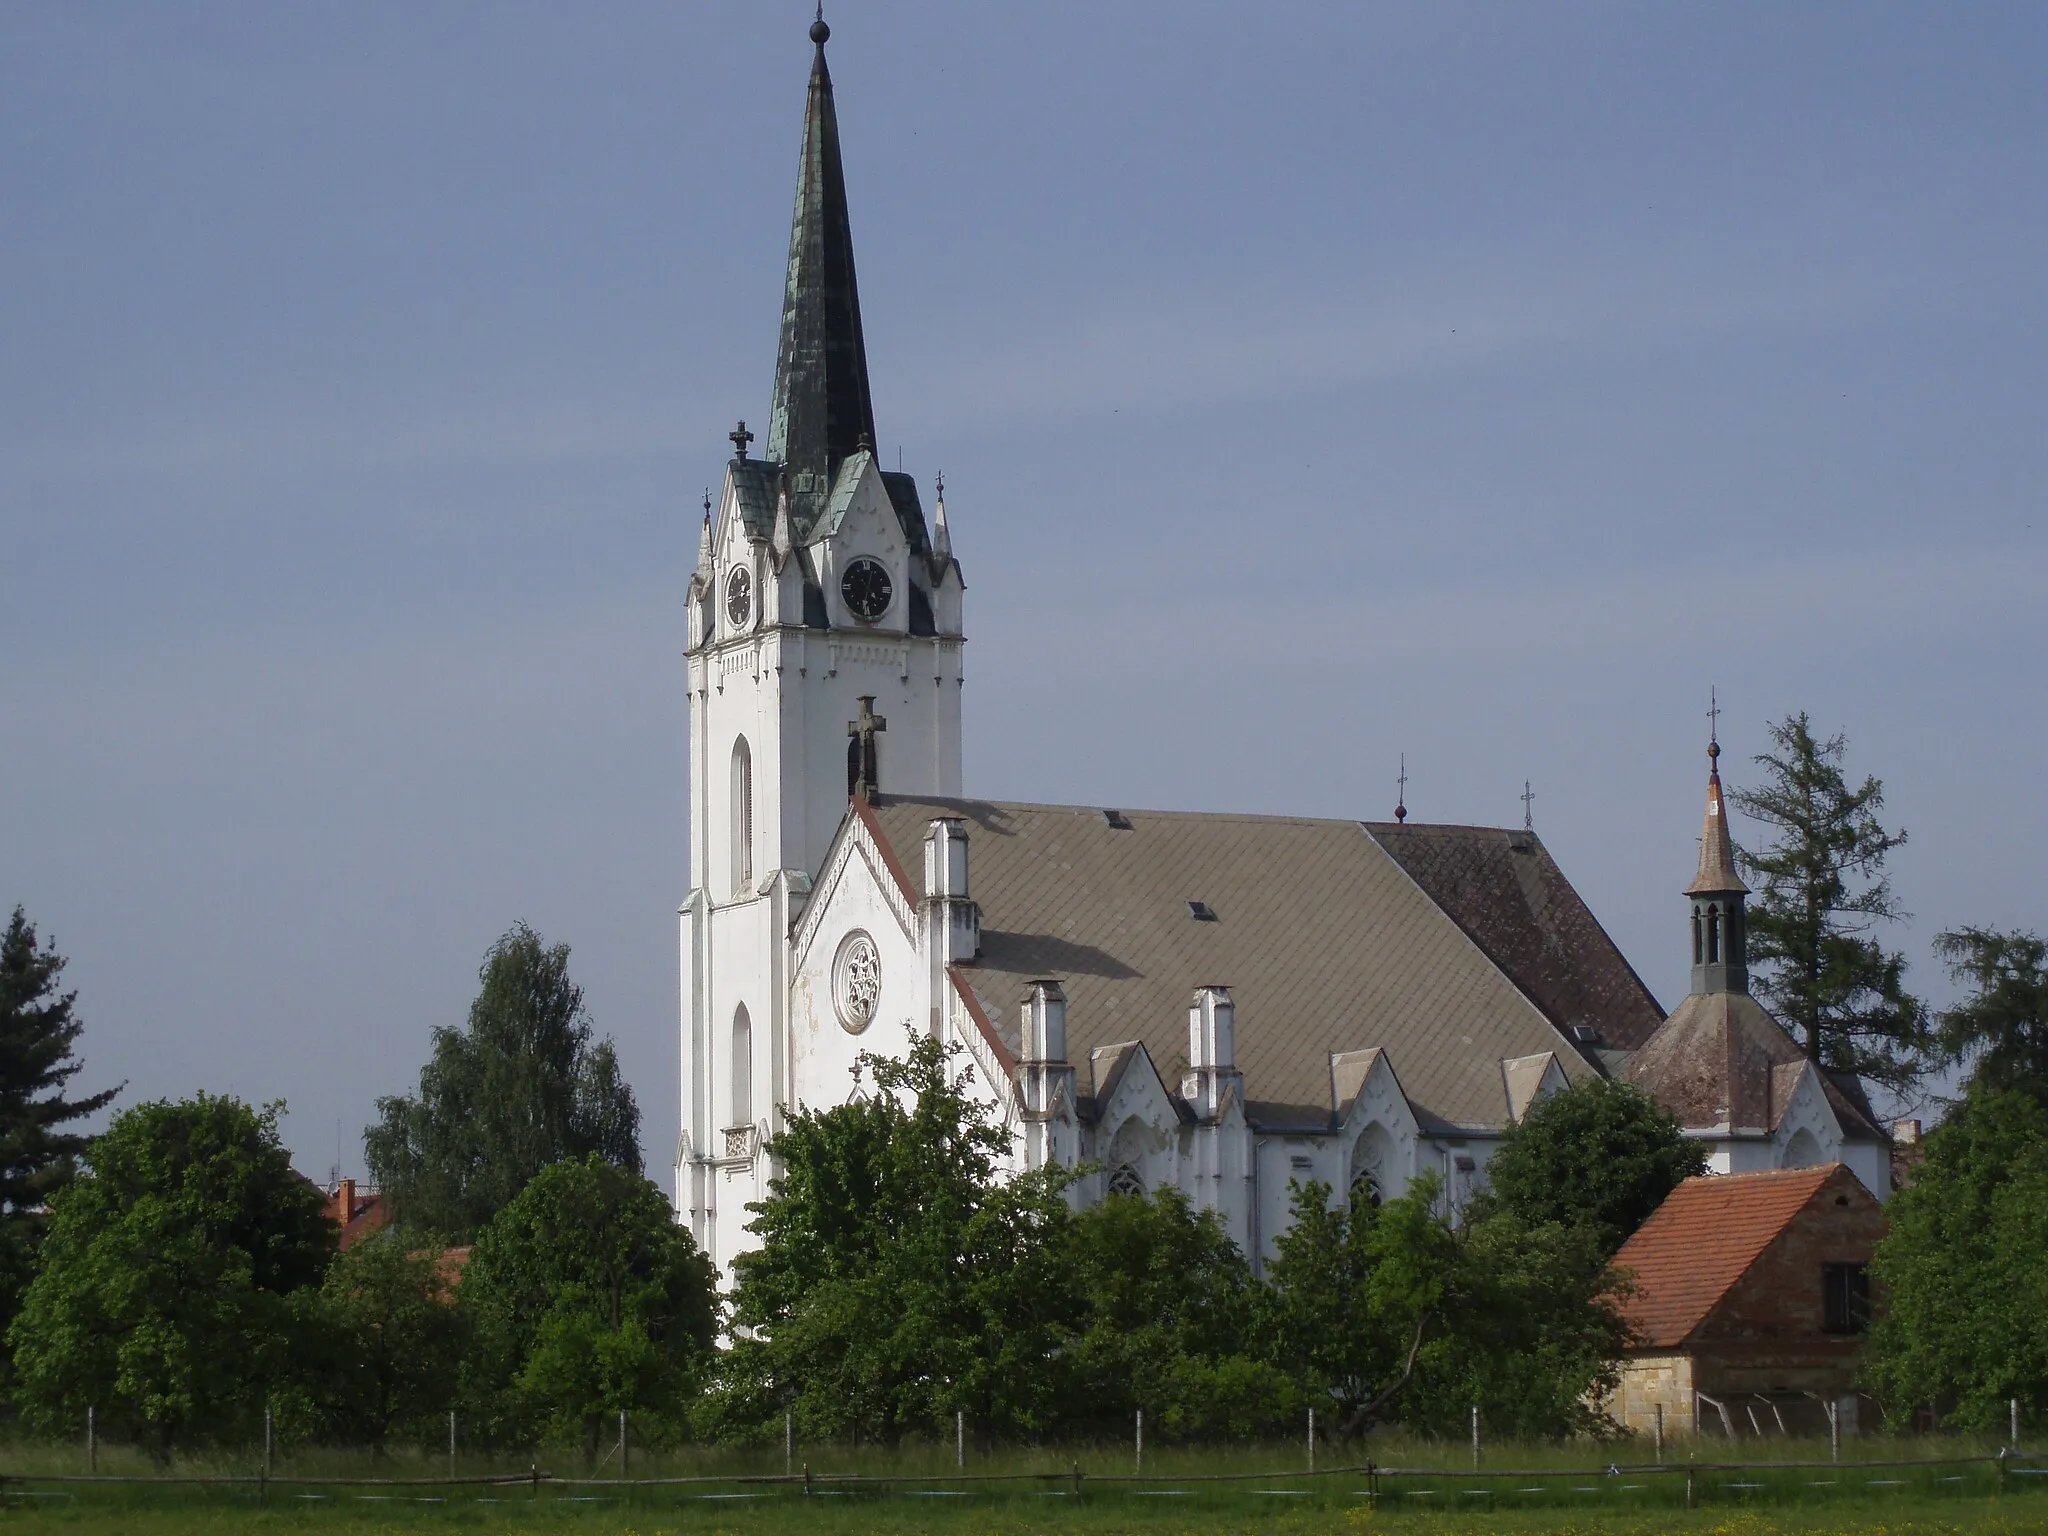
column 1141, row 1440
column 1659, row 1409
column 807, row 1479
column 92, row 1444
column 1688, row 1486
column 533, row 1472
column 788, row 1444
column 1077, row 1479
column 451, row 1442
column 625, row 1447
column 269, row 1441
column 1834, row 1407
column 960, row 1438
column 1475, row 1437
column 1311, row 1439
column 2013, row 1406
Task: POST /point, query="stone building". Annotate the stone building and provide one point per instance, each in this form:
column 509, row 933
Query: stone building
column 1226, row 1005
column 1751, row 1299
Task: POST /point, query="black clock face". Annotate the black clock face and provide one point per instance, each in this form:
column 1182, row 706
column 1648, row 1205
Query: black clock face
column 867, row 589
column 739, row 596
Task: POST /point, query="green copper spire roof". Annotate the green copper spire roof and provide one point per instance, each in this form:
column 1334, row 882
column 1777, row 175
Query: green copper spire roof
column 821, row 412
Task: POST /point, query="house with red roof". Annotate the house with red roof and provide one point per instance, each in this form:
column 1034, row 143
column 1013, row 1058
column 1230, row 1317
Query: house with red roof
column 1750, row 1300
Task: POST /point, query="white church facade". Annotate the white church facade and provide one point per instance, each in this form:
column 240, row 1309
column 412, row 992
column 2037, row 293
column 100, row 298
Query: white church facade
column 1225, row 1005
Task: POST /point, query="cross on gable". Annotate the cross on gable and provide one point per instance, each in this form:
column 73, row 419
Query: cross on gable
column 863, row 761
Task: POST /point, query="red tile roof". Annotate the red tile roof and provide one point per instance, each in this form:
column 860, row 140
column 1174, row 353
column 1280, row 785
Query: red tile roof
column 1703, row 1239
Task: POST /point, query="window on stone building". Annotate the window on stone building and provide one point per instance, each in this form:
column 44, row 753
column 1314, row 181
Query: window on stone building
column 1845, row 1298
column 1713, row 935
column 1366, row 1185
column 742, row 818
column 742, row 1067
column 1124, row 1180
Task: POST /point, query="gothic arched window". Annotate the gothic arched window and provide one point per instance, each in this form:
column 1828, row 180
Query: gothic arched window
column 1713, row 935
column 1699, row 950
column 1124, row 1180
column 742, row 818
column 742, row 1067
column 1366, row 1184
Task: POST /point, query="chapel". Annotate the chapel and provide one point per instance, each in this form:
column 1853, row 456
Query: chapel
column 1227, row 1005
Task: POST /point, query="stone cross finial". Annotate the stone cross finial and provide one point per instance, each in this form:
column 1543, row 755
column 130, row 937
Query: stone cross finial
column 863, row 762
column 740, row 438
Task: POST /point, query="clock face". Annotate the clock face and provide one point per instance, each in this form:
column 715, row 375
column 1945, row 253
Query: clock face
column 739, row 596
column 867, row 589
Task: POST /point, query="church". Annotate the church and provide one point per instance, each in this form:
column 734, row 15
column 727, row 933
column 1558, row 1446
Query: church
column 1222, row 1004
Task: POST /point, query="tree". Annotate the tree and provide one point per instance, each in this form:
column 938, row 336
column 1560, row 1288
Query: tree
column 1391, row 1313
column 165, row 1295
column 1823, row 890
column 1168, row 1325
column 1600, row 1155
column 38, row 1031
column 394, row 1340
column 1964, row 1292
column 586, row 1299
column 1354, row 1291
column 899, row 1280
column 522, row 1087
column 2001, row 1028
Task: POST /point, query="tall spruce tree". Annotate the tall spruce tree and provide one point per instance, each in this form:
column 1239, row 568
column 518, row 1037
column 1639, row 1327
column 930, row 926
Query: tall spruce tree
column 1822, row 892
column 525, row 1085
column 38, row 1031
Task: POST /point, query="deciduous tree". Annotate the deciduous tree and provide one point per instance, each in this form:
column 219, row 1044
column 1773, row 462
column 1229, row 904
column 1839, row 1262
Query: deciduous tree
column 392, row 1341
column 165, row 1294
column 1599, row 1155
column 899, row 1279
column 1962, row 1286
column 1823, row 891
column 585, row 1299
column 523, row 1086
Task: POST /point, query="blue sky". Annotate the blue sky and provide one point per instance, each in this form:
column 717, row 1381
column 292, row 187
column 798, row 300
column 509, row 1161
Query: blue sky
column 1313, row 384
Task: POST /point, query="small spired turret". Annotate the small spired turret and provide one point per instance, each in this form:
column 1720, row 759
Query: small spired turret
column 1720, row 957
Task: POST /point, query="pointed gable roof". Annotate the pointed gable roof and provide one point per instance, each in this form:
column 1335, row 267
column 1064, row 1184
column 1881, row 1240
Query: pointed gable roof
column 1705, row 1236
column 821, row 412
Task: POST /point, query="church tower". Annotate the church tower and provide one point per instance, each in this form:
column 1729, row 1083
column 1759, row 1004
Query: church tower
column 824, row 662
column 1720, row 959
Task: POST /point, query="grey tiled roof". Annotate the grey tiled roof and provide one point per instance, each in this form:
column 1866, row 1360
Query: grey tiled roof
column 1507, row 893
column 1325, row 942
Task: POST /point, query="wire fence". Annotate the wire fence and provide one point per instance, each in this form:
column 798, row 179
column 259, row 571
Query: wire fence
column 1690, row 1484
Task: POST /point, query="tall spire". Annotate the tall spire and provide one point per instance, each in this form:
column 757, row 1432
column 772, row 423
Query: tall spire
column 821, row 412
column 1720, row 936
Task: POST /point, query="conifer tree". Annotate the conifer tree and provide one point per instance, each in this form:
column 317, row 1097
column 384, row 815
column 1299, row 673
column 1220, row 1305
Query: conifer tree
column 38, row 1030
column 2000, row 1029
column 1822, row 891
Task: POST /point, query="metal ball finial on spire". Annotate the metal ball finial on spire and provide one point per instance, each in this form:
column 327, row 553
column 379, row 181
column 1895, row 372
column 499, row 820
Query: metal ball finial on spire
column 820, row 33
column 1714, row 728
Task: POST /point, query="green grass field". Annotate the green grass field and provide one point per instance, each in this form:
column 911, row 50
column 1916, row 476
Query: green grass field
column 1789, row 1487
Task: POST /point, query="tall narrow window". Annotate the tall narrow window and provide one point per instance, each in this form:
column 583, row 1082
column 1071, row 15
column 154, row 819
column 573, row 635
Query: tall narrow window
column 1699, row 952
column 1713, row 935
column 742, row 819
column 742, row 1067
column 1845, row 1298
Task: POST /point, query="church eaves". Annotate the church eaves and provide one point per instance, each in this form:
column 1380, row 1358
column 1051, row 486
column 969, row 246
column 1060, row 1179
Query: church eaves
column 822, row 413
